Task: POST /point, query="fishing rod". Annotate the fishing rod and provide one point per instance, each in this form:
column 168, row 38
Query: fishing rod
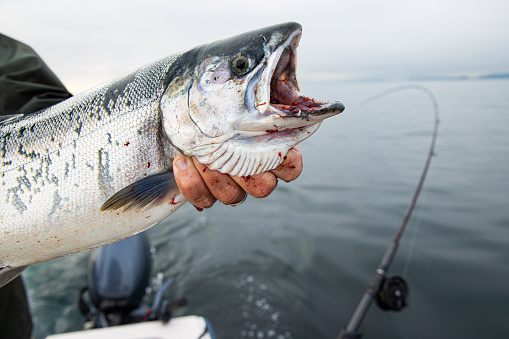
column 391, row 292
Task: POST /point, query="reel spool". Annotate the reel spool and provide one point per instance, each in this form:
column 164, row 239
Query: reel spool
column 393, row 294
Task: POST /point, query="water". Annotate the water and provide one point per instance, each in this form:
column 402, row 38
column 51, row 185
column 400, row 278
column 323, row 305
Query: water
column 295, row 265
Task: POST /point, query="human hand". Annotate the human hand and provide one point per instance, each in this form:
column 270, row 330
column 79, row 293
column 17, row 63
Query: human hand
column 202, row 187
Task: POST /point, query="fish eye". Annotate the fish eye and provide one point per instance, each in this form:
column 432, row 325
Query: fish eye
column 240, row 64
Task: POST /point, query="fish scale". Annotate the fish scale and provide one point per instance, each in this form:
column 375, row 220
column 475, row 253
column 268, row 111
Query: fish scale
column 96, row 143
column 97, row 168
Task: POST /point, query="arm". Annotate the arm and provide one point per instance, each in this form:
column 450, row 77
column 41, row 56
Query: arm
column 26, row 83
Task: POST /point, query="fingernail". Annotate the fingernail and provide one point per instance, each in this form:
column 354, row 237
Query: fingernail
column 182, row 163
column 238, row 203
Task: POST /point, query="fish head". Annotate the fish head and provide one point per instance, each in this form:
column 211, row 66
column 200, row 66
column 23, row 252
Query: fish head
column 235, row 104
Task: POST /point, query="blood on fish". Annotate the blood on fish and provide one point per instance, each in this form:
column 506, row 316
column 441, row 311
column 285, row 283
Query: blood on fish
column 310, row 102
column 148, row 164
column 127, row 143
column 272, row 130
column 173, row 202
column 247, row 178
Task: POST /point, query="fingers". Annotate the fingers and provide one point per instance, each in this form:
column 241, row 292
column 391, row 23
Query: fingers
column 190, row 182
column 222, row 186
column 291, row 167
column 258, row 185
column 202, row 186
column 261, row 185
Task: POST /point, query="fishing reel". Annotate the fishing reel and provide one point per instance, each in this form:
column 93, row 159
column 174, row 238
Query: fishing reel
column 393, row 294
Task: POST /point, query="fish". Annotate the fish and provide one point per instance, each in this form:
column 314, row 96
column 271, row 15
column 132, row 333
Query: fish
column 97, row 167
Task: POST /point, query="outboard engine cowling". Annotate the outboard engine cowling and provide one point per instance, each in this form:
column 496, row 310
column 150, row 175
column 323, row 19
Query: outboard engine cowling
column 119, row 274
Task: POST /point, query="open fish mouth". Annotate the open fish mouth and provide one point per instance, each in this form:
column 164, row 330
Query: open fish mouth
column 278, row 93
column 270, row 117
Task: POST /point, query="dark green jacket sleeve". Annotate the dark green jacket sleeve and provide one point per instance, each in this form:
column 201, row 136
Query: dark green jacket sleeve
column 26, row 83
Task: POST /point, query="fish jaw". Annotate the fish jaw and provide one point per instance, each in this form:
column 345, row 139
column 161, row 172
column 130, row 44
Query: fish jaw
column 244, row 125
column 279, row 104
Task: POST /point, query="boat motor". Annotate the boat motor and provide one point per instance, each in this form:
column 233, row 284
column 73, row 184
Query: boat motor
column 118, row 276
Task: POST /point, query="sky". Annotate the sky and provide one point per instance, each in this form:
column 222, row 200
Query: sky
column 88, row 42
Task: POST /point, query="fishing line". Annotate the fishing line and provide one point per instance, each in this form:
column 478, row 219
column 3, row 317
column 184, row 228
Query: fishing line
column 413, row 241
column 391, row 292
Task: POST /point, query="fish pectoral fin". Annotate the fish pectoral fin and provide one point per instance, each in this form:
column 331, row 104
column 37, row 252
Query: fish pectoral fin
column 141, row 193
column 9, row 273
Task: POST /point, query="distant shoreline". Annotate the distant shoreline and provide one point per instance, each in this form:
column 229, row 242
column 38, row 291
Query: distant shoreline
column 494, row 76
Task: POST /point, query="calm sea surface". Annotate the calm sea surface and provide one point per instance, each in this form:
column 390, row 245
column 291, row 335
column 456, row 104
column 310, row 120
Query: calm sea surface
column 295, row 265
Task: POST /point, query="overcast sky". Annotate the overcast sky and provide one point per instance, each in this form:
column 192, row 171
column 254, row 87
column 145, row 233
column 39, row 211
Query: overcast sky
column 88, row 42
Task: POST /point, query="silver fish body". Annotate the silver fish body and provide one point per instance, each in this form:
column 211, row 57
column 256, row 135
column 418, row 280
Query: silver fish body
column 97, row 168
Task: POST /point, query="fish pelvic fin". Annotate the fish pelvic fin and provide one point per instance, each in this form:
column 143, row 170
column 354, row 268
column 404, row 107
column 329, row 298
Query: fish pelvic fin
column 149, row 190
column 7, row 274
